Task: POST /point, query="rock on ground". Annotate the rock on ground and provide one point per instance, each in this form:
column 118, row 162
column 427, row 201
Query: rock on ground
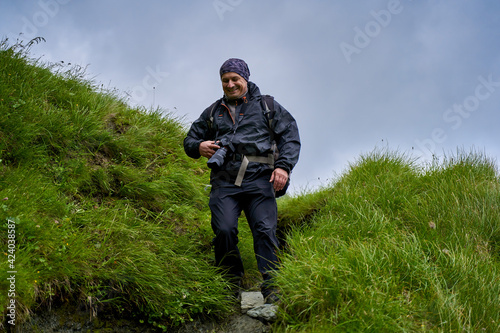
column 266, row 312
column 250, row 300
column 70, row 319
column 238, row 323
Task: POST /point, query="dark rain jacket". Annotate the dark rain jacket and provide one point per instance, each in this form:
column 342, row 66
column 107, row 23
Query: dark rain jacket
column 249, row 134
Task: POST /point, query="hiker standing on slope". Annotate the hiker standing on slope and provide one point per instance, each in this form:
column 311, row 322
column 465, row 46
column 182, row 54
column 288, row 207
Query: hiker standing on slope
column 236, row 134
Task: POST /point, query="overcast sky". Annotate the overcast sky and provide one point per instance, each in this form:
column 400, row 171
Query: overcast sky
column 419, row 77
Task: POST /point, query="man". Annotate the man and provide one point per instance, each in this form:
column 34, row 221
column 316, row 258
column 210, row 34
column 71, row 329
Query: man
column 247, row 176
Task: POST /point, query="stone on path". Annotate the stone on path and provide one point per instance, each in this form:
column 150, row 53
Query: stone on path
column 252, row 303
column 244, row 324
column 265, row 311
column 250, row 300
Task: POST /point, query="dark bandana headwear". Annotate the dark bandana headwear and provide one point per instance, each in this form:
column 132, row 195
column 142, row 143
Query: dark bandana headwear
column 237, row 66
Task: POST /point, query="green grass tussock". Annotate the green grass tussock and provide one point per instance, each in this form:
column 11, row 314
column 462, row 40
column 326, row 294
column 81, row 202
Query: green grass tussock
column 110, row 213
column 398, row 247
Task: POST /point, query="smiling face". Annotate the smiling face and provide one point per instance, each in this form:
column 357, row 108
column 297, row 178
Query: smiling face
column 233, row 85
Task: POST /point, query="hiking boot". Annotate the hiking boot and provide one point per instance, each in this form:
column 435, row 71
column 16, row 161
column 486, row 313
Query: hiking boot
column 271, row 296
column 235, row 289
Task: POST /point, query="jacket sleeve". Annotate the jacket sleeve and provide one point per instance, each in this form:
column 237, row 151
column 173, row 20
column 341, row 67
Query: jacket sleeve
column 287, row 138
column 198, row 132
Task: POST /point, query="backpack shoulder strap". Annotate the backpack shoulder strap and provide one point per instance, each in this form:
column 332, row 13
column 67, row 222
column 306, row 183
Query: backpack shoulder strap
column 213, row 107
column 268, row 108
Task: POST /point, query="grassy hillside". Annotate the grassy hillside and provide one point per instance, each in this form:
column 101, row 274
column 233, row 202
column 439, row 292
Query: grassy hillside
column 107, row 211
column 100, row 208
column 393, row 247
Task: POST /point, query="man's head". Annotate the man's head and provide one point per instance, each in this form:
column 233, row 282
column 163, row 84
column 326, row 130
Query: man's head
column 234, row 75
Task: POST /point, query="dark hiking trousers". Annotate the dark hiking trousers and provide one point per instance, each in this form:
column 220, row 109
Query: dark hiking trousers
column 257, row 200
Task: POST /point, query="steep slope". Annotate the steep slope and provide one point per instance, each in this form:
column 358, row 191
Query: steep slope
column 100, row 207
column 392, row 246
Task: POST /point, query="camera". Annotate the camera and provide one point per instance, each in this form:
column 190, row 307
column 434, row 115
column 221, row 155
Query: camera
column 217, row 159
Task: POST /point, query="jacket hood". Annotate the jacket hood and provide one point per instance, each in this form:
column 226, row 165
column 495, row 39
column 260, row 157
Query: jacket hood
column 253, row 90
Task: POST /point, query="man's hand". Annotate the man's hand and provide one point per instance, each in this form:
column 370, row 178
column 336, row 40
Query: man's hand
column 279, row 177
column 208, row 148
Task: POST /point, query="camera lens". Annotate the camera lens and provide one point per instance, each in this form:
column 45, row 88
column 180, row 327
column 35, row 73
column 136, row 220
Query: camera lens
column 217, row 159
